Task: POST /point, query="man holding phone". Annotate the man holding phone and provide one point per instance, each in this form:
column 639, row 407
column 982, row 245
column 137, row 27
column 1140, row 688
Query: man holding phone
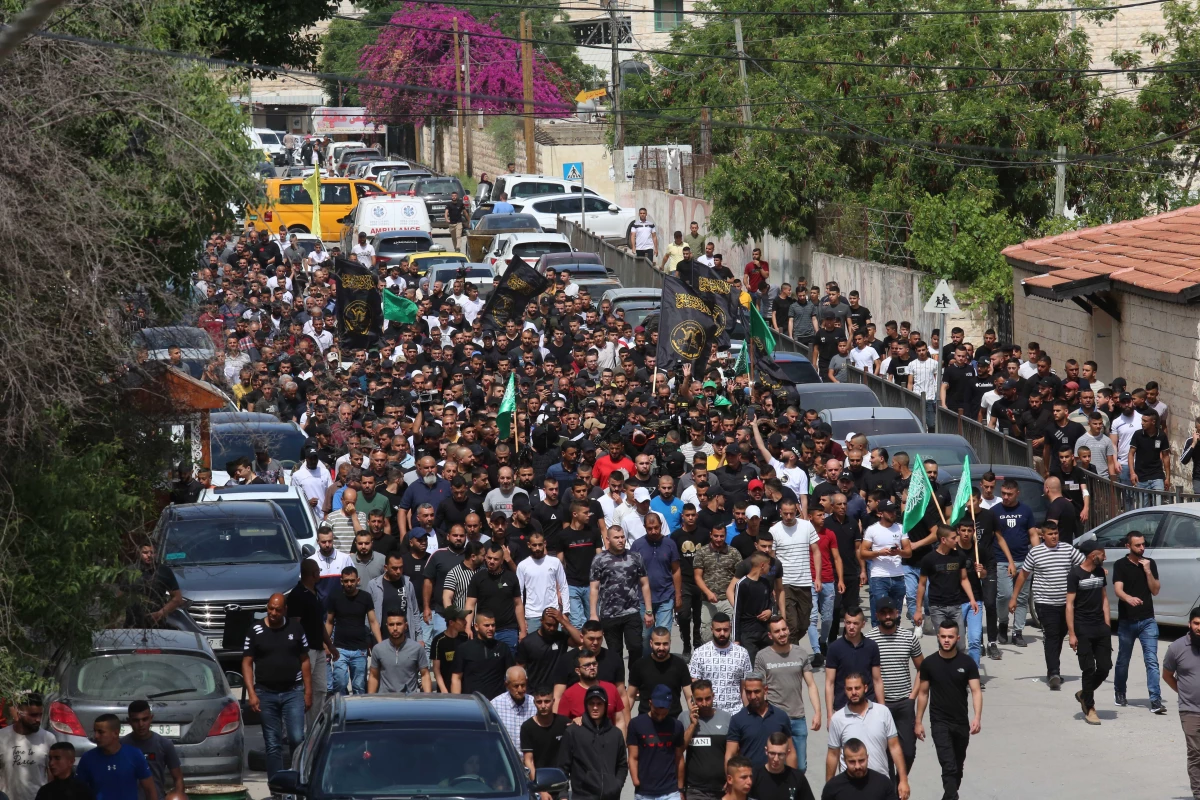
column 883, row 546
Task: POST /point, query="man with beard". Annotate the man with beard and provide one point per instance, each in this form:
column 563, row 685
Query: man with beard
column 897, row 647
column 455, row 508
column 543, row 652
column 393, row 592
column 946, row 677
column 435, row 572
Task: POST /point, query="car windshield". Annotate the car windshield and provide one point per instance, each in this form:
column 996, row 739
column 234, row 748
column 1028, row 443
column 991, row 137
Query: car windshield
column 399, row 245
column 508, row 222
column 439, row 186
column 139, row 675
column 402, row 185
column 834, row 399
column 227, row 540
column 634, row 313
column 233, row 441
column 187, row 338
column 800, row 371
column 267, row 137
column 534, row 250
column 873, row 427
column 297, row 517
column 442, row 762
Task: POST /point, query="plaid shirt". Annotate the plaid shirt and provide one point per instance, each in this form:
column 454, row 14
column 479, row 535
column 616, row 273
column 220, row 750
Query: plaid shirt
column 512, row 715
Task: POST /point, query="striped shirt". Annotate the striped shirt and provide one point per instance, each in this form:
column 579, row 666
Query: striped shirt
column 924, row 375
column 896, row 652
column 1050, row 567
column 343, row 529
column 457, row 581
column 792, row 549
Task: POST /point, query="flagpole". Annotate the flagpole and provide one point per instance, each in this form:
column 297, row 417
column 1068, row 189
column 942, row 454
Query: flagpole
column 971, row 506
column 750, row 361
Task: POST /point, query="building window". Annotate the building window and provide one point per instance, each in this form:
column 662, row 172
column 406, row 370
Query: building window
column 668, row 14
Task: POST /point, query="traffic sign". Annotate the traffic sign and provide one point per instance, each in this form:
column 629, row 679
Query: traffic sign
column 942, row 301
column 573, row 171
column 590, row 94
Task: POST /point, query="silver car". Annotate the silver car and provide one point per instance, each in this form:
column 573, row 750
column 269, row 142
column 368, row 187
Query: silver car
column 1173, row 540
column 178, row 673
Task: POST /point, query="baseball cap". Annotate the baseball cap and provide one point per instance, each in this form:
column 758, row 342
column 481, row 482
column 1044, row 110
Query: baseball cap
column 1089, row 546
column 753, row 512
column 709, row 385
column 324, row 526
column 1071, row 385
column 420, row 533
column 662, row 696
column 754, row 484
column 885, row 602
column 886, row 505
column 1124, row 397
column 520, row 502
column 641, row 494
column 1009, row 384
column 846, row 475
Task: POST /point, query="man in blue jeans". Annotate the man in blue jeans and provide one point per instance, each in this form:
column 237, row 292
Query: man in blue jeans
column 661, row 555
column 1135, row 579
column 278, row 679
column 354, row 628
column 884, row 544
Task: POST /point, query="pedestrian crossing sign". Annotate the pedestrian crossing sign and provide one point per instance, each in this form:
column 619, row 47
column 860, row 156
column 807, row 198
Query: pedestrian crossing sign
column 573, row 171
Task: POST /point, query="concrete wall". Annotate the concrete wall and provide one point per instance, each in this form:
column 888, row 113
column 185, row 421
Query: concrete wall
column 597, row 165
column 1154, row 341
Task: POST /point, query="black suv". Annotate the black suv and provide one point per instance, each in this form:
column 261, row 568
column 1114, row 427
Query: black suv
column 425, row 745
column 436, row 194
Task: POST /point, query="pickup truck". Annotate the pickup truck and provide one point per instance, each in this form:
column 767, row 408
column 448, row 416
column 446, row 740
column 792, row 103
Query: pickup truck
column 479, row 240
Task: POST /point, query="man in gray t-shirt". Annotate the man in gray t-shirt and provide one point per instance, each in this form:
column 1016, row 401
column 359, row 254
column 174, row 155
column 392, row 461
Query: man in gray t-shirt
column 159, row 750
column 399, row 664
column 838, row 364
column 705, row 729
column 788, row 668
column 1104, row 453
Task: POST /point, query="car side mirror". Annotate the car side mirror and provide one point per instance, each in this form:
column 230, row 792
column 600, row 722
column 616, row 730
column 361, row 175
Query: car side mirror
column 550, row 780
column 307, row 551
column 287, row 781
column 235, row 679
column 613, row 208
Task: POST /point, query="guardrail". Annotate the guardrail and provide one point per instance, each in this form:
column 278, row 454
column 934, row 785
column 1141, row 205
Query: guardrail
column 991, row 446
column 632, row 270
column 1108, row 499
column 890, row 394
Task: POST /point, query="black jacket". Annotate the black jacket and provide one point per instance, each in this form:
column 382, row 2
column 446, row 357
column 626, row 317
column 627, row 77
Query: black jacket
column 594, row 758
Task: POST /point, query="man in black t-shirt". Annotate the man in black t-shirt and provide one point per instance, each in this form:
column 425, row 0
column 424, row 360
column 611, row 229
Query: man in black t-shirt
column 945, row 679
column 481, row 663
column 660, row 668
column 355, row 630
column 958, row 376
column 305, row 607
column 454, row 217
column 1059, row 434
column 576, row 544
column 278, row 679
column 497, row 590
column 542, row 652
column 828, row 336
column 1062, row 511
column 542, row 733
column 1149, row 454
column 446, row 644
column 775, row 780
column 988, row 541
column 943, row 580
column 1087, row 625
column 1135, row 579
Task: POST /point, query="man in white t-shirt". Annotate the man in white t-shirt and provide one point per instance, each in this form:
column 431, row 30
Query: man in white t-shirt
column 643, row 237
column 788, row 470
column 363, row 250
column 883, row 546
column 796, row 548
column 25, row 751
column 863, row 356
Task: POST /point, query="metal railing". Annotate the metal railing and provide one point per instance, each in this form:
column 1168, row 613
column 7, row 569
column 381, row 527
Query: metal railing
column 890, row 394
column 626, row 265
column 1108, row 499
column 991, row 446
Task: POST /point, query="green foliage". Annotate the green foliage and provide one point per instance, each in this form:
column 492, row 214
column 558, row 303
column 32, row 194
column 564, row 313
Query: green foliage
column 959, row 236
column 502, row 130
column 265, row 31
column 342, row 46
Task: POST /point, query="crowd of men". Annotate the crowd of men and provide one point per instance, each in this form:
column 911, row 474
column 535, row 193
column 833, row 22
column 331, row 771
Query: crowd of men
column 550, row 570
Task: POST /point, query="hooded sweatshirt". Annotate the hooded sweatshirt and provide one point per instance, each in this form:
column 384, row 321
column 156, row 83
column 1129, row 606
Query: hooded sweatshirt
column 593, row 755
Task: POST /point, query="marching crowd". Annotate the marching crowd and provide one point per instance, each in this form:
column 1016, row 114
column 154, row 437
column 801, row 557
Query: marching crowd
column 548, row 559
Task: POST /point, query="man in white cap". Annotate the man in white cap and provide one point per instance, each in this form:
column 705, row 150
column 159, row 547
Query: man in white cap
column 631, row 515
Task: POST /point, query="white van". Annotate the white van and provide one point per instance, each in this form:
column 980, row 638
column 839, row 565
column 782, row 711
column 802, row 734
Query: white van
column 265, row 140
column 380, row 213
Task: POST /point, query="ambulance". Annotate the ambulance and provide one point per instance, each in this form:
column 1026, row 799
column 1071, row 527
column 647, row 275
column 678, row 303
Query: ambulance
column 382, row 213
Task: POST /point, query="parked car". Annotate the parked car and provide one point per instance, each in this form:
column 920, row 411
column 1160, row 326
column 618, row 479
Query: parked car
column 437, row 256
column 178, row 673
column 947, row 449
column 1029, row 480
column 527, row 246
column 436, row 194
column 385, row 212
column 820, row 396
column 229, row 558
column 634, row 303
column 525, row 185
column 392, row 246
column 294, row 503
column 566, row 261
column 603, row 218
column 195, row 345
column 372, row 170
column 871, row 421
column 1173, row 540
column 265, row 140
column 403, row 181
column 286, row 202
column 453, row 746
column 351, row 153
column 334, row 151
column 230, row 440
column 479, row 240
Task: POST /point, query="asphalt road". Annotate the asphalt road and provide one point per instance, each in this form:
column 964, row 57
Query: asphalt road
column 1034, row 742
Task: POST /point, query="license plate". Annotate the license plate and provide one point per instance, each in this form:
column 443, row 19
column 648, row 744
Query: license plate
column 215, row 642
column 170, row 731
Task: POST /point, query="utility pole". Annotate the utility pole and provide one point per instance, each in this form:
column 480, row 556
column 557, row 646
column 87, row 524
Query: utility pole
column 614, row 37
column 705, row 131
column 737, row 32
column 467, row 105
column 1060, row 182
column 527, row 80
column 458, row 98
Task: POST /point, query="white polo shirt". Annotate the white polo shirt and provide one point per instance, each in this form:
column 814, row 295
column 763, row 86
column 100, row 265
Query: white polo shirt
column 873, row 728
column 792, row 550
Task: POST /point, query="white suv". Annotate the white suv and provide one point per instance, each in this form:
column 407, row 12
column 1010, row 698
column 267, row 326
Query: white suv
column 290, row 500
column 520, row 184
column 603, row 218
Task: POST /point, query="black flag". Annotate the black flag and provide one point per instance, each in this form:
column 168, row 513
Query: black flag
column 359, row 305
column 767, row 372
column 513, row 291
column 686, row 328
column 719, row 293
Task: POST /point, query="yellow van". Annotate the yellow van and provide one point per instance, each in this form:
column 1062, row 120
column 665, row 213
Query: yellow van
column 288, row 203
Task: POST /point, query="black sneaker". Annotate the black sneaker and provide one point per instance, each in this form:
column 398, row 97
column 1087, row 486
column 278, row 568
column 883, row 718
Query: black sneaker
column 994, row 651
column 1157, row 707
column 1003, row 634
column 1055, row 682
column 1019, row 640
column 1120, row 699
column 818, row 661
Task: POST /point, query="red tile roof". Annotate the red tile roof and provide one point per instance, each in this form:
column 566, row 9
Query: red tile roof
column 1160, row 254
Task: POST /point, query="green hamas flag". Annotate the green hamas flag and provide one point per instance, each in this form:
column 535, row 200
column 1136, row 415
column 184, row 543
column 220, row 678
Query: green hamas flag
column 398, row 308
column 742, row 365
column 919, row 495
column 508, row 405
column 760, row 332
column 963, row 496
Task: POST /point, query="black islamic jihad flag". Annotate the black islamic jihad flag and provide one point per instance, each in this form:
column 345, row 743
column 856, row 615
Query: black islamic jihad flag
column 721, row 296
column 767, row 372
column 359, row 306
column 686, row 328
column 513, row 291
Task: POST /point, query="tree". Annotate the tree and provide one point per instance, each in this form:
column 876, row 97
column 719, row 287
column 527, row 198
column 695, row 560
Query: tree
column 421, row 54
column 343, row 47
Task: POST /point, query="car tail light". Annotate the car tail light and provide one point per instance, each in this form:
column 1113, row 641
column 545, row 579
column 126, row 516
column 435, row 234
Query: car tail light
column 228, row 721
column 63, row 720
column 381, row 261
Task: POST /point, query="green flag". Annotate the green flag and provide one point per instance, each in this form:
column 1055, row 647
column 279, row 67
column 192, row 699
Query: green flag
column 398, row 308
column 760, row 332
column 508, row 405
column 742, row 365
column 920, row 492
column 963, row 497
column 312, row 185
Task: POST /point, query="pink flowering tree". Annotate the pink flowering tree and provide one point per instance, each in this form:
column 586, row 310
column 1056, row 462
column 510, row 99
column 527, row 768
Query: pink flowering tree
column 417, row 49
